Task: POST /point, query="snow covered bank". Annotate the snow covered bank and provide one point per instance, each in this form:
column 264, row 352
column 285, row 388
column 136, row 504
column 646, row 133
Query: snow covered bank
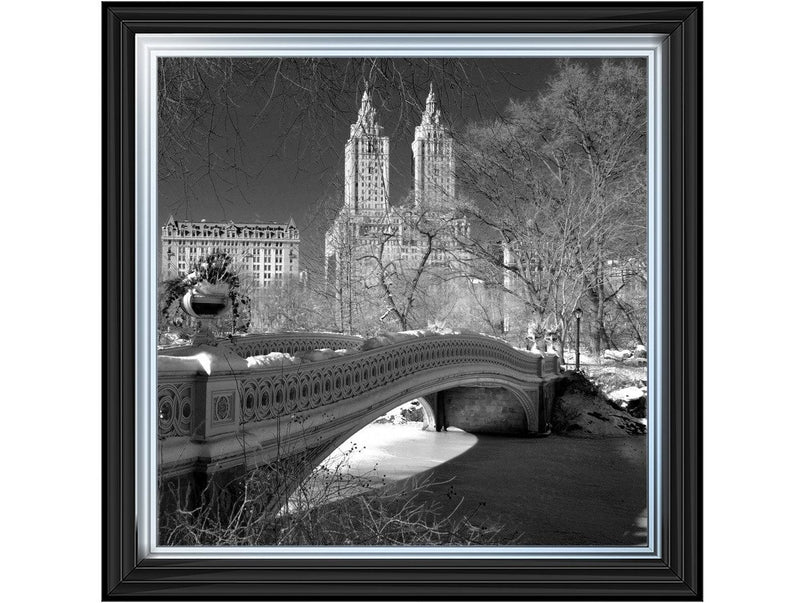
column 409, row 412
column 581, row 409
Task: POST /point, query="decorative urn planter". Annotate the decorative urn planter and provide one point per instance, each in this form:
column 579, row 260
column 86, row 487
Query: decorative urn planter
column 206, row 300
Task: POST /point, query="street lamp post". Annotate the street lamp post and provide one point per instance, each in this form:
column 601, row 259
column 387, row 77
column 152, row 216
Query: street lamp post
column 578, row 313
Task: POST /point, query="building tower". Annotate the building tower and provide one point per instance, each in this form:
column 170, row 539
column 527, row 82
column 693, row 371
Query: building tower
column 433, row 158
column 366, row 163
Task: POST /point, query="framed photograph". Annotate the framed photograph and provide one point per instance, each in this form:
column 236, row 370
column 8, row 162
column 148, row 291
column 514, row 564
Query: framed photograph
column 402, row 301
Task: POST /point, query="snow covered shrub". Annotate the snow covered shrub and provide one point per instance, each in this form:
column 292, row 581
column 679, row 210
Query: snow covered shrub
column 214, row 272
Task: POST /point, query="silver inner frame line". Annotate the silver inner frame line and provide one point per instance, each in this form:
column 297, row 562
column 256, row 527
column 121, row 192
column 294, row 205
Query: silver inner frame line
column 149, row 48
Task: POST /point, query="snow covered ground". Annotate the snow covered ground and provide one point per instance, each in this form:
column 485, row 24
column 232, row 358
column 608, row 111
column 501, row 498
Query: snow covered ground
column 550, row 491
column 388, row 452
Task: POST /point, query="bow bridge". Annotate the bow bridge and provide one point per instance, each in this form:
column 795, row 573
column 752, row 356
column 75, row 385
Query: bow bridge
column 218, row 412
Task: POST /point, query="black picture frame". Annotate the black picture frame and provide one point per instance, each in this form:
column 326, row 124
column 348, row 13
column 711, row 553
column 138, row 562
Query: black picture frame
column 675, row 575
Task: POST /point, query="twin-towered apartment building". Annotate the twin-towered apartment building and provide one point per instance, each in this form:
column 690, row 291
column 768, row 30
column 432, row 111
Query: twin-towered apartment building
column 269, row 252
column 368, row 231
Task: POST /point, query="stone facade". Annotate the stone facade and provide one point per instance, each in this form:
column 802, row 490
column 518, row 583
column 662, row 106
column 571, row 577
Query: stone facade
column 484, row 410
column 266, row 252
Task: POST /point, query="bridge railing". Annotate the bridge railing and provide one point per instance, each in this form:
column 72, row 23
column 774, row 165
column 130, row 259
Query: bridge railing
column 293, row 343
column 286, row 343
column 202, row 405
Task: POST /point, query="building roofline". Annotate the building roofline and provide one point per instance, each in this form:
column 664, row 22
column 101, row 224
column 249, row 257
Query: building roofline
column 290, row 223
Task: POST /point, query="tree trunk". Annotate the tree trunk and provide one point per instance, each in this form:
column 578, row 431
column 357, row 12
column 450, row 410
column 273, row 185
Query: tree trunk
column 596, row 295
column 627, row 312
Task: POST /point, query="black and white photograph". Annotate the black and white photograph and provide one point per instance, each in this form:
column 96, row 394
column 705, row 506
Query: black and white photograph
column 402, row 301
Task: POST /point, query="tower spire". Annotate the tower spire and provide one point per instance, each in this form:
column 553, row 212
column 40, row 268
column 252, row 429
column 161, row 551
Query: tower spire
column 367, row 115
column 433, row 158
column 432, row 114
column 366, row 161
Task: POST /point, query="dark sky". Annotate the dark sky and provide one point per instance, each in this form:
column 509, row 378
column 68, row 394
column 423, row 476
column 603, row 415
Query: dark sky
column 291, row 157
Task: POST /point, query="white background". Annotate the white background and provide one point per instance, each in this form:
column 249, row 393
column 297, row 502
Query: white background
column 51, row 290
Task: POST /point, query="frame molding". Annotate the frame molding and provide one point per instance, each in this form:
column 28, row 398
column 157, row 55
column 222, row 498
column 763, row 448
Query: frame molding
column 677, row 572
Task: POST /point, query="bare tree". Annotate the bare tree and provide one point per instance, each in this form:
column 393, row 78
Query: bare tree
column 557, row 188
column 598, row 121
column 524, row 232
column 208, row 105
column 395, row 263
column 554, row 187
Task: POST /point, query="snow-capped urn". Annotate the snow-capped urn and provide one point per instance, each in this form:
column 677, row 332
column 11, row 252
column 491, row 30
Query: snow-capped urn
column 206, row 300
column 210, row 278
column 211, row 289
column 211, row 286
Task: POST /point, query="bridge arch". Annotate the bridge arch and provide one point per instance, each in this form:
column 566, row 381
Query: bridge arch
column 432, row 387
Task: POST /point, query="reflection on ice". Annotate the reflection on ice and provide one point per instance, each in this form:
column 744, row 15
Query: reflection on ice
column 397, row 452
column 376, row 456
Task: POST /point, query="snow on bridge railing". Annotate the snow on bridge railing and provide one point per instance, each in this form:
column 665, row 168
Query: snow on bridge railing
column 289, row 342
column 230, row 390
column 292, row 343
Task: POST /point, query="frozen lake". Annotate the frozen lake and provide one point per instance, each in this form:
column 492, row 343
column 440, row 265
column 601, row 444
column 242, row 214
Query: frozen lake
column 549, row 491
column 399, row 451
